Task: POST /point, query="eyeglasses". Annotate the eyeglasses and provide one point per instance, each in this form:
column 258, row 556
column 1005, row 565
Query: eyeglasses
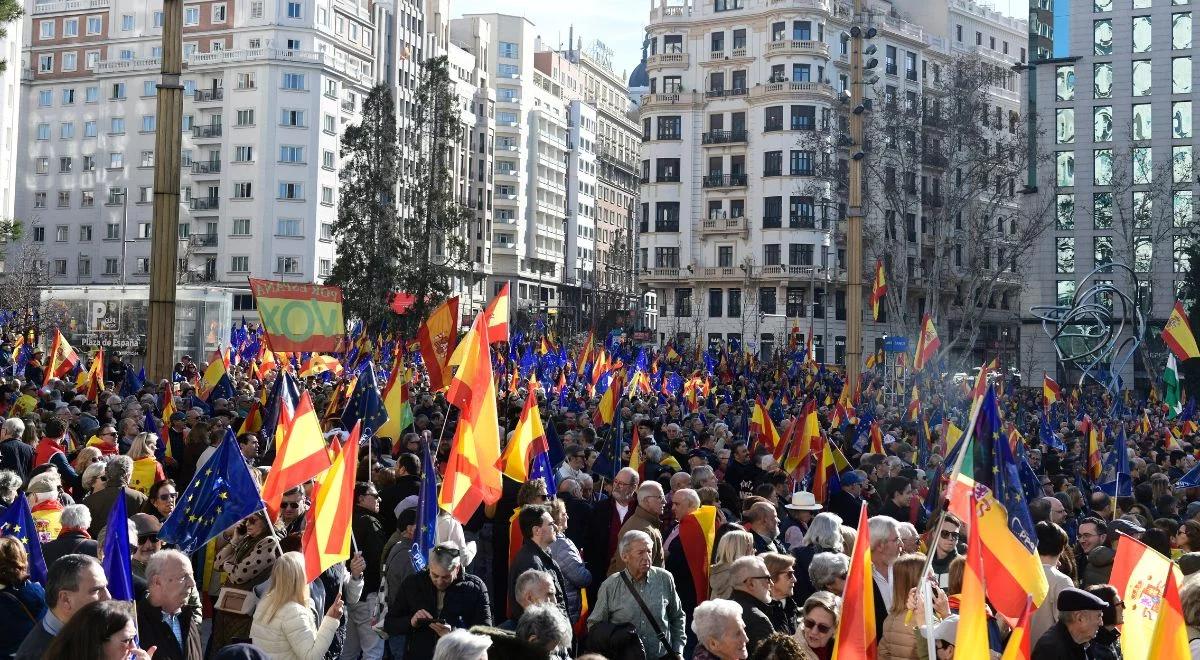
column 821, row 627
column 113, row 433
column 760, row 577
column 373, row 495
column 289, row 505
column 947, row 534
column 790, row 573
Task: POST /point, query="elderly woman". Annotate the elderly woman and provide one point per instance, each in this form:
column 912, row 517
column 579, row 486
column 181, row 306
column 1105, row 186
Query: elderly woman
column 617, row 598
column 1189, row 598
column 824, row 535
column 162, row 499
column 719, row 630
column 10, row 483
column 43, row 491
column 147, row 471
column 828, row 572
column 462, row 645
column 576, row 575
column 821, row 612
column 22, row 602
column 783, row 608
column 93, row 478
column 247, row 561
column 732, row 546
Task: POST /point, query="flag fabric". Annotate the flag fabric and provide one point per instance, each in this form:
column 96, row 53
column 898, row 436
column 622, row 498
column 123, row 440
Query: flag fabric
column 1094, row 465
column 635, row 453
column 607, row 408
column 855, row 637
column 427, row 511
column 762, row 428
column 497, row 313
column 438, row 338
column 879, row 289
column 326, row 538
column 927, row 343
column 972, row 638
column 317, row 364
column 1137, row 572
column 1051, row 392
column 215, row 383
column 17, row 522
column 1177, row 334
column 608, row 463
column 95, row 376
column 1020, row 646
column 219, row 496
column 1170, row 639
column 396, row 403
column 471, row 476
column 528, row 438
column 697, row 535
column 116, row 553
column 63, row 359
column 300, row 454
column 299, row 317
column 365, row 404
column 1171, row 388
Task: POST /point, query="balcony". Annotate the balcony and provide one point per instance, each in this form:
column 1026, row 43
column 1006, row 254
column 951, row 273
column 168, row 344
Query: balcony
column 794, row 91
column 723, row 137
column 798, row 47
column 667, row 59
column 674, row 273
column 791, row 272
column 723, row 225
column 725, row 181
column 722, row 273
column 206, row 203
column 69, row 5
column 348, row 106
column 203, row 132
column 725, row 93
column 202, row 240
column 208, row 95
column 206, row 167
column 667, row 99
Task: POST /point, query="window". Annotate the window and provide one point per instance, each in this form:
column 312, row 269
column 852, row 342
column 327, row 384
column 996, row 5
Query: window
column 42, row 166
column 218, row 13
column 1181, row 119
column 46, row 29
column 256, row 9
column 287, row 227
column 1102, row 36
column 43, row 131
column 191, row 16
column 65, row 164
column 715, row 300
column 1141, row 34
column 327, row 195
column 71, row 27
column 116, row 126
column 329, row 125
column 772, row 163
column 89, row 129
column 147, row 159
column 116, row 159
column 1141, row 121
column 292, row 118
column 1064, row 206
column 293, row 81
column 241, row 227
column 670, row 128
column 1181, row 31
column 39, row 202
column 158, row 19
column 64, row 202
column 1103, row 249
column 328, row 159
column 1064, row 126
column 112, row 231
column 68, row 96
column 889, row 60
column 287, row 265
column 1181, row 164
column 117, row 92
column 1065, row 168
column 1102, row 123
column 1181, row 75
column 294, row 9
column 771, row 254
column 773, row 118
column 291, row 154
column 666, row 217
column 1102, row 163
column 1180, row 246
column 509, row 49
column 110, row 266
column 94, row 25
column 291, row 190
column 89, row 163
column 1102, row 210
column 242, row 190
column 243, row 154
column 45, row 63
column 910, row 65
column 149, row 88
column 91, row 94
column 1141, row 77
column 148, row 123
column 66, row 130
column 1065, row 251
column 85, row 233
column 87, row 199
column 244, row 118
column 127, row 22
column 239, row 264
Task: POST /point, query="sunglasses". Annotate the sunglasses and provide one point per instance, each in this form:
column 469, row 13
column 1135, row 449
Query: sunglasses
column 289, row 505
column 947, row 534
column 820, row 627
column 447, row 552
column 148, row 538
column 167, row 496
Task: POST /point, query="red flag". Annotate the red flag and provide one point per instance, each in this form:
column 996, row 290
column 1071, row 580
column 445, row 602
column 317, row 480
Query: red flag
column 855, row 636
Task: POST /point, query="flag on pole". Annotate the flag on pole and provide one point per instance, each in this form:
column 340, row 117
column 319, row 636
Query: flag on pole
column 17, row 522
column 1171, row 386
column 396, row 403
column 1051, row 392
column 927, row 343
column 300, row 454
column 116, row 553
column 427, row 511
column 438, row 338
column 528, row 438
column 972, row 638
column 1138, row 571
column 95, row 376
column 855, row 637
column 879, row 290
column 326, row 538
column 1170, row 639
column 63, row 358
column 497, row 313
column 365, row 405
column 697, row 534
column 1020, row 646
column 221, row 494
column 1177, row 334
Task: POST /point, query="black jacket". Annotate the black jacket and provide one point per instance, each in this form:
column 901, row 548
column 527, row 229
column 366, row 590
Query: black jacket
column 845, row 505
column 391, row 496
column 153, row 631
column 1106, row 645
column 464, row 604
column 16, row 456
column 368, row 534
column 804, row 556
column 1057, row 644
column 531, row 557
column 579, row 514
column 68, row 543
column 754, row 615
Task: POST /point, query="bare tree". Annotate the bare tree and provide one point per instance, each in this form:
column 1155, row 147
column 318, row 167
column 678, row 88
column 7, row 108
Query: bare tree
column 944, row 213
column 24, row 279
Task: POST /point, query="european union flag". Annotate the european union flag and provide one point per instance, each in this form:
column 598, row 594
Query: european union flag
column 17, row 522
column 1122, row 483
column 365, row 404
column 427, row 511
column 1046, row 434
column 221, row 494
column 557, row 453
column 987, row 436
column 1009, row 490
column 1189, row 480
column 116, row 553
column 608, row 463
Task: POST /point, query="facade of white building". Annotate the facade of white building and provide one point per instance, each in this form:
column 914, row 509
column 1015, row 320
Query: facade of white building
column 10, row 106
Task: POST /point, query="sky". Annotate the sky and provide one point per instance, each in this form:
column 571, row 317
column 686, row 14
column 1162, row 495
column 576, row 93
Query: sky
column 618, row 23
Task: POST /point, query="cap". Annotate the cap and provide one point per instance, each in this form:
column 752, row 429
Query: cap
column 803, row 501
column 178, row 417
column 1078, row 600
column 1126, row 527
column 145, row 523
column 945, row 630
column 851, row 479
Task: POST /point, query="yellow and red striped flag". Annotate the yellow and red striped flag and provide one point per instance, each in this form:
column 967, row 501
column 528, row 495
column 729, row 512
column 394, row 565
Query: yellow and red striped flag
column 927, row 343
column 437, row 337
column 879, row 290
column 697, row 534
column 300, row 453
column 635, row 453
column 326, row 539
column 497, row 312
column 63, row 358
column 1019, row 646
column 855, row 637
column 972, row 638
column 95, row 376
column 1170, row 638
column 528, row 437
column 762, row 428
column 1051, row 392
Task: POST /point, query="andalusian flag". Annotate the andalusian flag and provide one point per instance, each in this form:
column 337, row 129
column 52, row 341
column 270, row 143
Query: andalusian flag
column 879, row 289
column 1138, row 570
column 1177, row 334
column 327, row 531
column 855, row 637
column 1171, row 385
column 472, row 477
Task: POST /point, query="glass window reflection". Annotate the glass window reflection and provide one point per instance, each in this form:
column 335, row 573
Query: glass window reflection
column 1141, row 77
column 1102, row 36
column 1181, row 75
column 1102, row 80
column 1102, row 162
column 1141, row 34
column 1181, row 119
column 1064, row 126
column 1141, row 121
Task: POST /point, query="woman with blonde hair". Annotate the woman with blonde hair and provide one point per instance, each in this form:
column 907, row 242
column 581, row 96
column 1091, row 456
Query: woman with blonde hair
column 733, row 545
column 899, row 641
column 146, row 469
column 283, row 620
column 85, row 458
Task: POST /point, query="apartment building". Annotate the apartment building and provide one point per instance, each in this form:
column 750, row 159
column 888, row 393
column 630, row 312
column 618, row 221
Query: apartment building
column 269, row 87
column 1117, row 114
column 735, row 240
column 10, row 105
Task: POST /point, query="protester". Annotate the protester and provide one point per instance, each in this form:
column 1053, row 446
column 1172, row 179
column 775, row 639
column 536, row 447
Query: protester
column 732, row 546
column 575, row 573
column 752, row 591
column 73, row 582
column 440, row 598
column 1080, row 617
column 103, row 630
column 283, row 625
column 247, row 559
column 22, row 602
column 166, row 620
column 718, row 626
column 73, row 537
column 619, row 596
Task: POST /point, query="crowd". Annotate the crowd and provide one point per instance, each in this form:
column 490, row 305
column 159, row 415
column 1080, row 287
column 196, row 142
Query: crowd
column 595, row 560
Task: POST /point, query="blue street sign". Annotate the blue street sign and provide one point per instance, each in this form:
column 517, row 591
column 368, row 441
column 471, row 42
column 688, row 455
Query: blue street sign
column 895, row 344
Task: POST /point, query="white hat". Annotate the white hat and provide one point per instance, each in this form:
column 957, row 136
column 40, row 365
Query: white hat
column 803, row 500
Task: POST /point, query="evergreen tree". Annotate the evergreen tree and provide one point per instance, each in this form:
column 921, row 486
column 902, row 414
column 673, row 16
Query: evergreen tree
column 433, row 245
column 368, row 228
column 10, row 10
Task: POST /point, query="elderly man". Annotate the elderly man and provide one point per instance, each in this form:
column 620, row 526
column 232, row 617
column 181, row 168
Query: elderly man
column 1080, row 616
column 684, row 502
column 164, row 618
column 539, row 531
column 720, row 630
column 848, row 501
column 15, row 455
column 117, row 474
column 647, row 517
column 608, row 516
column 533, row 587
column 619, row 597
column 752, row 590
column 436, row 600
column 885, row 548
column 73, row 581
column 762, row 520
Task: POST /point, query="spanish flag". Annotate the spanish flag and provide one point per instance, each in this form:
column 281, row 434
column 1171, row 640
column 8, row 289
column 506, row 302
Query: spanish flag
column 317, row 364
column 300, row 453
column 586, row 353
column 471, row 475
column 914, row 405
column 326, row 538
column 497, row 313
column 606, row 410
column 1051, row 392
column 972, row 639
column 215, row 378
column 528, row 438
column 635, row 454
column 855, row 636
column 876, row 438
column 879, row 289
column 1094, row 464
column 437, row 338
column 63, row 358
column 697, row 534
column 95, row 376
column 762, row 427
column 1139, row 570
column 1020, row 646
column 806, row 438
column 1170, row 638
column 1177, row 334
column 395, row 401
column 927, row 343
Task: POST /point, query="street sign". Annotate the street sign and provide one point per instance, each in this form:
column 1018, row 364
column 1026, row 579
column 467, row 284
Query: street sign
column 895, row 344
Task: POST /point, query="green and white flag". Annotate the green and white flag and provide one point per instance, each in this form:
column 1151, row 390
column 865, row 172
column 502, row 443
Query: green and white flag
column 1171, row 383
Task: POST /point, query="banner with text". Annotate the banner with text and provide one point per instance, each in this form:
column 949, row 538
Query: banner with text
column 300, row 317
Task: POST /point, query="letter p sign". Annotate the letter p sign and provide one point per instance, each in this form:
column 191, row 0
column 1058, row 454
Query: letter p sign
column 96, row 313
